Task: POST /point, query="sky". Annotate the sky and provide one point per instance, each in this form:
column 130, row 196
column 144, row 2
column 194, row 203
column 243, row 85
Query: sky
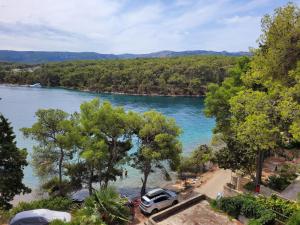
column 132, row 26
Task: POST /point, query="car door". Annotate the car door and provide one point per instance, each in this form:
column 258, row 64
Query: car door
column 162, row 202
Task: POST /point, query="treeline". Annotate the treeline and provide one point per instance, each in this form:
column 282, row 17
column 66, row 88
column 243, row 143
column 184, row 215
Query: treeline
column 257, row 107
column 163, row 76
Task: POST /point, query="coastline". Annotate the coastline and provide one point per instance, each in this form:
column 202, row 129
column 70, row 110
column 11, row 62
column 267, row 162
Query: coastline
column 129, row 189
column 102, row 92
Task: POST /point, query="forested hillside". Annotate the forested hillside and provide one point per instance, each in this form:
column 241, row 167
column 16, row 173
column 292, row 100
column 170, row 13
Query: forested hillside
column 162, row 76
column 36, row 57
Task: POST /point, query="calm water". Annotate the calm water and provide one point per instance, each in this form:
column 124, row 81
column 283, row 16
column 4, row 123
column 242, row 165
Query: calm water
column 19, row 105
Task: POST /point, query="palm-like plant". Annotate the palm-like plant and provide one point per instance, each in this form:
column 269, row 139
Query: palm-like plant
column 107, row 205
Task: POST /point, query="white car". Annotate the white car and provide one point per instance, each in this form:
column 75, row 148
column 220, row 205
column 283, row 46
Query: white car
column 158, row 199
column 39, row 217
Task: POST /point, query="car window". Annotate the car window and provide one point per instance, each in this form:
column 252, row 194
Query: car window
column 160, row 199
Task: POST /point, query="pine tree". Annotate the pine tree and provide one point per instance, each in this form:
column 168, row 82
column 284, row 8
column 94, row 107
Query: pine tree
column 12, row 163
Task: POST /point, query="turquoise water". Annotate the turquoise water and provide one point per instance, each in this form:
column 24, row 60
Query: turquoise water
column 19, row 105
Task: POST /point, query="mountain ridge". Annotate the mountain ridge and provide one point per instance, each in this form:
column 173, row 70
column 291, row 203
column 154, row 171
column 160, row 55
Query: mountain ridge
column 35, row 57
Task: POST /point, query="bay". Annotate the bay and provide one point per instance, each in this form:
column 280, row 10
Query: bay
column 19, row 105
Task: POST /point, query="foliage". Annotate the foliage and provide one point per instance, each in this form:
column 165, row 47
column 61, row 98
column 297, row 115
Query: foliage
column 288, row 170
column 277, row 182
column 105, row 134
column 164, row 76
column 54, row 134
column 232, row 206
column 158, row 143
column 55, row 203
column 287, row 174
column 279, row 205
column 12, row 163
column 249, row 207
column 218, row 96
column 250, row 186
column 295, row 219
column 262, row 111
column 236, row 157
column 195, row 163
column 107, row 205
column 52, row 186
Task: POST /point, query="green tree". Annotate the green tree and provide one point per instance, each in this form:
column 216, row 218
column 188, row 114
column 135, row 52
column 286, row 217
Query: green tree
column 195, row 162
column 116, row 126
column 237, row 157
column 105, row 139
column 264, row 112
column 54, row 133
column 158, row 144
column 217, row 98
column 12, row 163
column 106, row 205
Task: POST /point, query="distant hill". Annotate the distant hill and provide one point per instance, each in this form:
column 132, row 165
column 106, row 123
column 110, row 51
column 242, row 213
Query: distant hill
column 34, row 57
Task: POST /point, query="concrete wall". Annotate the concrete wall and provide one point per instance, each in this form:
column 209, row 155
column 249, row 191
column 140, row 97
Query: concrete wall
column 229, row 192
column 155, row 219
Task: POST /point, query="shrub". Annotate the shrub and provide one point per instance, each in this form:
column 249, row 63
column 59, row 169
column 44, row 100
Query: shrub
column 295, row 219
column 52, row 186
column 250, row 208
column 288, row 170
column 231, row 205
column 282, row 206
column 266, row 217
column 260, row 209
column 250, row 186
column 278, row 183
column 59, row 222
column 55, row 203
column 254, row 222
column 214, row 204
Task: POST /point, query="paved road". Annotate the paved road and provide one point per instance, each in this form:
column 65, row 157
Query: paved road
column 291, row 192
column 215, row 184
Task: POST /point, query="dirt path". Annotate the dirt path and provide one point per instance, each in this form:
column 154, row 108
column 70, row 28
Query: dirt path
column 215, row 183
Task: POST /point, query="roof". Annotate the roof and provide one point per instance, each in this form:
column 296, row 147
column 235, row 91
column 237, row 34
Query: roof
column 46, row 214
column 155, row 192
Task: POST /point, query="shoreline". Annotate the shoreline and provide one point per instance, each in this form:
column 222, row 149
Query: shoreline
column 103, row 92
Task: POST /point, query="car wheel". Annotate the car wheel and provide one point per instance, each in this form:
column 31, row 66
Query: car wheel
column 154, row 211
column 175, row 202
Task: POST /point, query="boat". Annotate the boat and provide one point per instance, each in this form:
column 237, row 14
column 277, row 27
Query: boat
column 37, row 85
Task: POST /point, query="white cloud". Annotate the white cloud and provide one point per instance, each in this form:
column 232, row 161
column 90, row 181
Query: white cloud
column 118, row 26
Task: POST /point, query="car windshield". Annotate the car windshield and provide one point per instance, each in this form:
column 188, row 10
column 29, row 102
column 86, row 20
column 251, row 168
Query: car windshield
column 145, row 201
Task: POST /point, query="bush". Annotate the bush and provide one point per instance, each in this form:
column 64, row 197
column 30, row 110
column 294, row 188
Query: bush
column 56, row 203
column 278, row 183
column 254, row 222
column 261, row 210
column 289, row 171
column 266, row 217
column 231, row 205
column 59, row 222
column 279, row 205
column 250, row 186
column 52, row 186
column 295, row 219
column 250, row 208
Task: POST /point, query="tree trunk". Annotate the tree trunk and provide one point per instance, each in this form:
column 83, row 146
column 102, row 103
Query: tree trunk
column 111, row 163
column 259, row 167
column 144, row 186
column 90, row 181
column 61, row 158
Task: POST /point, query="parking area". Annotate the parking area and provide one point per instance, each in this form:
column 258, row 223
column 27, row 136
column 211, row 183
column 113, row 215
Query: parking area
column 199, row 214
